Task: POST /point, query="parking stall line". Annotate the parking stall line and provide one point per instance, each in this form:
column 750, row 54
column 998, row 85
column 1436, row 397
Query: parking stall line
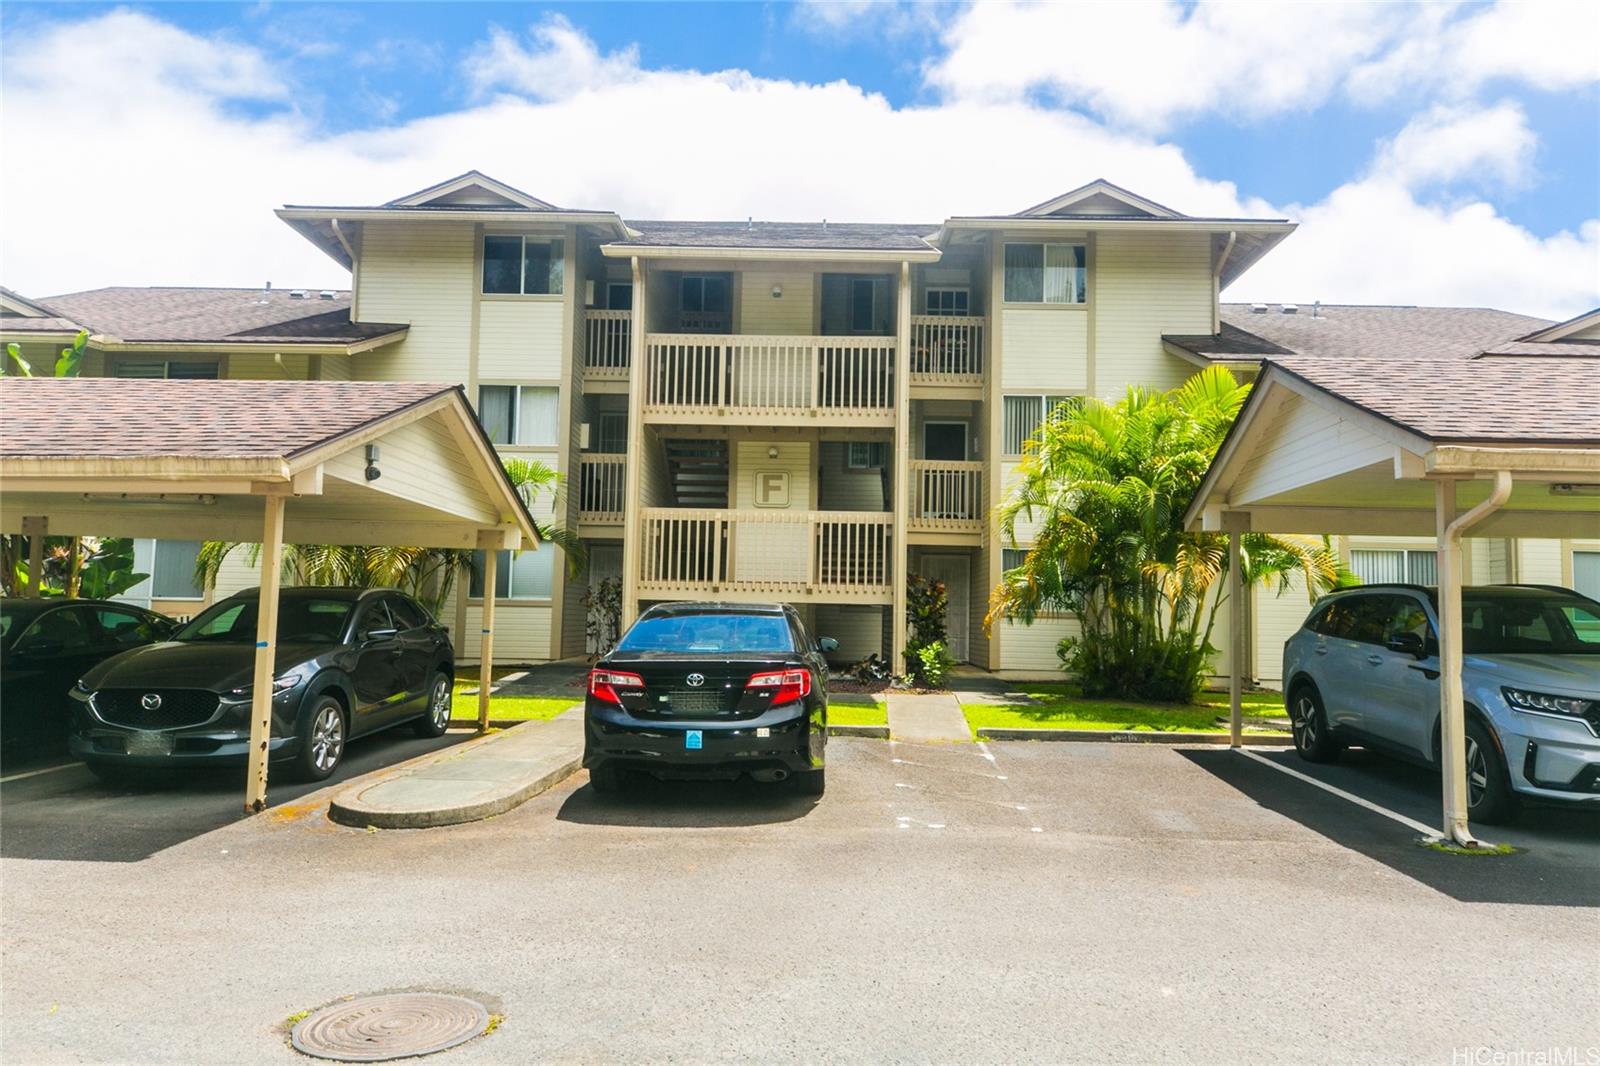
column 36, row 773
column 1412, row 823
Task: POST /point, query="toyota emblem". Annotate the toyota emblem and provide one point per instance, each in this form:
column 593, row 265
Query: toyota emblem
column 151, row 701
column 695, row 680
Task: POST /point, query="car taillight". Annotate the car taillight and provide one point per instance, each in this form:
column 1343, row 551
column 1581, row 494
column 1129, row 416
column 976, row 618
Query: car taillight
column 603, row 684
column 787, row 685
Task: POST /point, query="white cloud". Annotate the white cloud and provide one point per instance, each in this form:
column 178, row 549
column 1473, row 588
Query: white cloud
column 176, row 186
column 1446, row 144
column 1154, row 62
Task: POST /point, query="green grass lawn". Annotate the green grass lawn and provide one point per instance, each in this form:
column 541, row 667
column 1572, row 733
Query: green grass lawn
column 857, row 713
column 517, row 708
column 1063, row 708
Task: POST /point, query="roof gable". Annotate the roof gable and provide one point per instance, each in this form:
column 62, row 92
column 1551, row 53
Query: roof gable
column 473, row 189
column 1585, row 327
column 1100, row 197
column 14, row 303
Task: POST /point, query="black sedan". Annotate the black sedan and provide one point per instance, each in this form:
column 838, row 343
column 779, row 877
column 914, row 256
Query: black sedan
column 45, row 646
column 349, row 662
column 710, row 690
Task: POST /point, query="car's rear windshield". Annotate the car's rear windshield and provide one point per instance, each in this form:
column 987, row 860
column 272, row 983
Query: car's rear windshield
column 1555, row 624
column 301, row 619
column 711, row 633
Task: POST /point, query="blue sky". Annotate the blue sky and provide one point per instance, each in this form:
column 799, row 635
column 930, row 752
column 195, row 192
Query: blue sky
column 1407, row 140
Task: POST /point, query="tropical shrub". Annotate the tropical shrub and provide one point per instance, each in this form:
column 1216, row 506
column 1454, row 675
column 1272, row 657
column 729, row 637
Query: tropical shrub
column 927, row 608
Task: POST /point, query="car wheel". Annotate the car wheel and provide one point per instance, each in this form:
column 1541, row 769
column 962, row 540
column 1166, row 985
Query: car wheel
column 1309, row 723
column 606, row 779
column 436, row 719
column 1489, row 795
column 322, row 741
column 810, row 782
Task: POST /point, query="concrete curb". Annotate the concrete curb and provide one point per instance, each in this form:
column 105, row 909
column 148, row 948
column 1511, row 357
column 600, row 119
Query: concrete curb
column 1130, row 736
column 873, row 732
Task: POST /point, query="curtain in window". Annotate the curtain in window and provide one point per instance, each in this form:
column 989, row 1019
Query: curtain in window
column 1422, row 568
column 1063, row 273
column 174, row 570
column 536, row 416
column 1024, row 264
column 1023, row 415
column 494, row 411
column 1376, row 566
column 502, row 264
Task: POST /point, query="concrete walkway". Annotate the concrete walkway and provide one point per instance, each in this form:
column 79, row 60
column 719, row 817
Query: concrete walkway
column 464, row 784
column 935, row 719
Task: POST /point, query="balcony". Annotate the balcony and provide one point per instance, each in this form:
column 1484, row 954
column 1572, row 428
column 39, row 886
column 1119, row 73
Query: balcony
column 946, row 497
column 607, row 336
column 600, row 489
column 946, row 352
column 692, row 378
column 827, row 556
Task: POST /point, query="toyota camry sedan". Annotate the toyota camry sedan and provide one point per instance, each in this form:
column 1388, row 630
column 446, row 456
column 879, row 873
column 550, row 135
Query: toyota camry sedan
column 710, row 690
column 349, row 662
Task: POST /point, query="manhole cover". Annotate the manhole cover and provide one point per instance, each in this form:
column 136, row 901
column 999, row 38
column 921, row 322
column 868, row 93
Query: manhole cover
column 379, row 1028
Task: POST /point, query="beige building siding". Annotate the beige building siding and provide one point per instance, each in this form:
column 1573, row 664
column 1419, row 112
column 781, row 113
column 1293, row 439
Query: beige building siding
column 792, row 314
column 343, row 367
column 859, row 630
column 422, row 273
column 420, row 463
column 1145, row 285
column 237, row 572
column 655, row 487
column 843, row 489
column 751, row 460
column 519, row 339
column 1045, row 349
column 1026, row 525
column 1276, row 619
column 1305, row 443
column 1030, row 651
column 521, row 633
column 1539, row 562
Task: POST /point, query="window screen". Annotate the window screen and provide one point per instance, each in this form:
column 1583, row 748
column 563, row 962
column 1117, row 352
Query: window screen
column 1046, row 273
column 1586, row 573
column 495, row 411
column 502, row 264
column 1378, row 565
column 173, row 578
column 526, row 577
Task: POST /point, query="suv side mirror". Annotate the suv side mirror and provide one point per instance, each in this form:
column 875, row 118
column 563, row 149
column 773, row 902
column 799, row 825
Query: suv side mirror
column 1408, row 644
column 826, row 644
column 379, row 634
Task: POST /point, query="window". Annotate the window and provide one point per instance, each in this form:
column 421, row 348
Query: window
column 519, row 414
column 374, row 620
column 1023, row 417
column 162, row 368
column 527, row 576
column 1386, row 565
column 406, row 614
column 301, row 619
column 526, row 265
column 946, row 301
column 1365, row 619
column 1046, row 273
column 612, row 437
column 707, row 293
column 126, row 627
column 1532, row 623
column 619, row 295
column 64, row 631
column 172, row 574
column 863, row 313
column 713, row 633
column 866, row 455
column 1586, row 573
column 1011, row 558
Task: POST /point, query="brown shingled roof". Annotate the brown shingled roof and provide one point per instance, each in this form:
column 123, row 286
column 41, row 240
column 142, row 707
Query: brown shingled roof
column 1230, row 344
column 843, row 236
column 200, row 315
column 1343, row 331
column 49, row 418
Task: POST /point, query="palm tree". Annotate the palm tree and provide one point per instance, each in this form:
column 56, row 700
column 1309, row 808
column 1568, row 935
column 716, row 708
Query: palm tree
column 1108, row 484
column 429, row 574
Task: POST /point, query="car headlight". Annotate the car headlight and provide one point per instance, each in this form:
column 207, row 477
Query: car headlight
column 81, row 692
column 280, row 685
column 1573, row 706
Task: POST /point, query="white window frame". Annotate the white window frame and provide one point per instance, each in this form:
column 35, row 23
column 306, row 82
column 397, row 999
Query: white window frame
column 1408, row 575
column 1044, row 261
column 1045, row 408
column 931, row 290
column 522, row 292
column 505, row 569
column 1584, row 551
column 166, row 368
column 516, row 413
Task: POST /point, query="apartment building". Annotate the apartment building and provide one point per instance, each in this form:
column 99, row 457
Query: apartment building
column 751, row 410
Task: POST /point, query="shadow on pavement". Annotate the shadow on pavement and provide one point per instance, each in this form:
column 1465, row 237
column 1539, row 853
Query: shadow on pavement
column 687, row 804
column 71, row 814
column 1560, row 866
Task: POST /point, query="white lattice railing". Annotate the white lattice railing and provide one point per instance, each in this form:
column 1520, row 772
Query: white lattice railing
column 606, row 340
column 712, row 374
column 688, row 552
column 947, row 348
column 946, row 495
column 600, row 487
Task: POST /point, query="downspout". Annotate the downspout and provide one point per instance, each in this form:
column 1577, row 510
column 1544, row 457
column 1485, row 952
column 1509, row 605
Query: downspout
column 1216, row 282
column 355, row 268
column 1452, row 709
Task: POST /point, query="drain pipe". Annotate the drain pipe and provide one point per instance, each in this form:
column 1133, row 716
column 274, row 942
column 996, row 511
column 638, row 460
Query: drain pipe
column 1216, row 282
column 1452, row 711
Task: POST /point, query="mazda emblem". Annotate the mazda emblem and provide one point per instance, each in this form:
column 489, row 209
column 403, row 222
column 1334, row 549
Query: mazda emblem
column 151, row 701
column 695, row 680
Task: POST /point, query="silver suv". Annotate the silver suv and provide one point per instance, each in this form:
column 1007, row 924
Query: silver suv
column 1364, row 669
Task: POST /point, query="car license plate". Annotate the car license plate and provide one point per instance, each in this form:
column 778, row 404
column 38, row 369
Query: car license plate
column 146, row 743
column 694, row 740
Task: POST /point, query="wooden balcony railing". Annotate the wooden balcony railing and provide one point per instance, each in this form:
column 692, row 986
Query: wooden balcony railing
column 606, row 339
column 600, row 487
column 834, row 555
column 946, row 496
column 946, row 349
column 786, row 379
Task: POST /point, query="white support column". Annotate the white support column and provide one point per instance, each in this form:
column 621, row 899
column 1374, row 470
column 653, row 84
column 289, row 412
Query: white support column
column 902, row 469
column 255, row 798
column 1237, row 645
column 491, row 560
column 632, row 480
column 35, row 528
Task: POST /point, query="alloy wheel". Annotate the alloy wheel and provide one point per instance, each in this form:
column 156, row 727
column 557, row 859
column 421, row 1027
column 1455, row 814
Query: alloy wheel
column 327, row 739
column 1304, row 722
column 1477, row 772
column 441, row 703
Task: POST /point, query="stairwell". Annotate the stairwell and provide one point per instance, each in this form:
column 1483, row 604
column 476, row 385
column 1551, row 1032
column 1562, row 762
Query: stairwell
column 697, row 469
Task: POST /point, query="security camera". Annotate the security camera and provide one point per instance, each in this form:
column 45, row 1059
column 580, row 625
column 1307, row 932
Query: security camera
column 373, row 473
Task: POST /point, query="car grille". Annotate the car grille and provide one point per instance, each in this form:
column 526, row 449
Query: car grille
column 179, row 707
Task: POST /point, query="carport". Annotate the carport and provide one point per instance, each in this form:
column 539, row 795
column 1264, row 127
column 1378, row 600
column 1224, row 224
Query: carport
column 1499, row 445
column 264, row 462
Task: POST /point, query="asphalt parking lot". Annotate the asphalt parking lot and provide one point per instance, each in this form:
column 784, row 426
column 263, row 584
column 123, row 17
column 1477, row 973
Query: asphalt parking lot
column 999, row 903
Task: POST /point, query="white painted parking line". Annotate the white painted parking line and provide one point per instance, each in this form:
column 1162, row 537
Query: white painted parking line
column 36, row 773
column 1359, row 801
